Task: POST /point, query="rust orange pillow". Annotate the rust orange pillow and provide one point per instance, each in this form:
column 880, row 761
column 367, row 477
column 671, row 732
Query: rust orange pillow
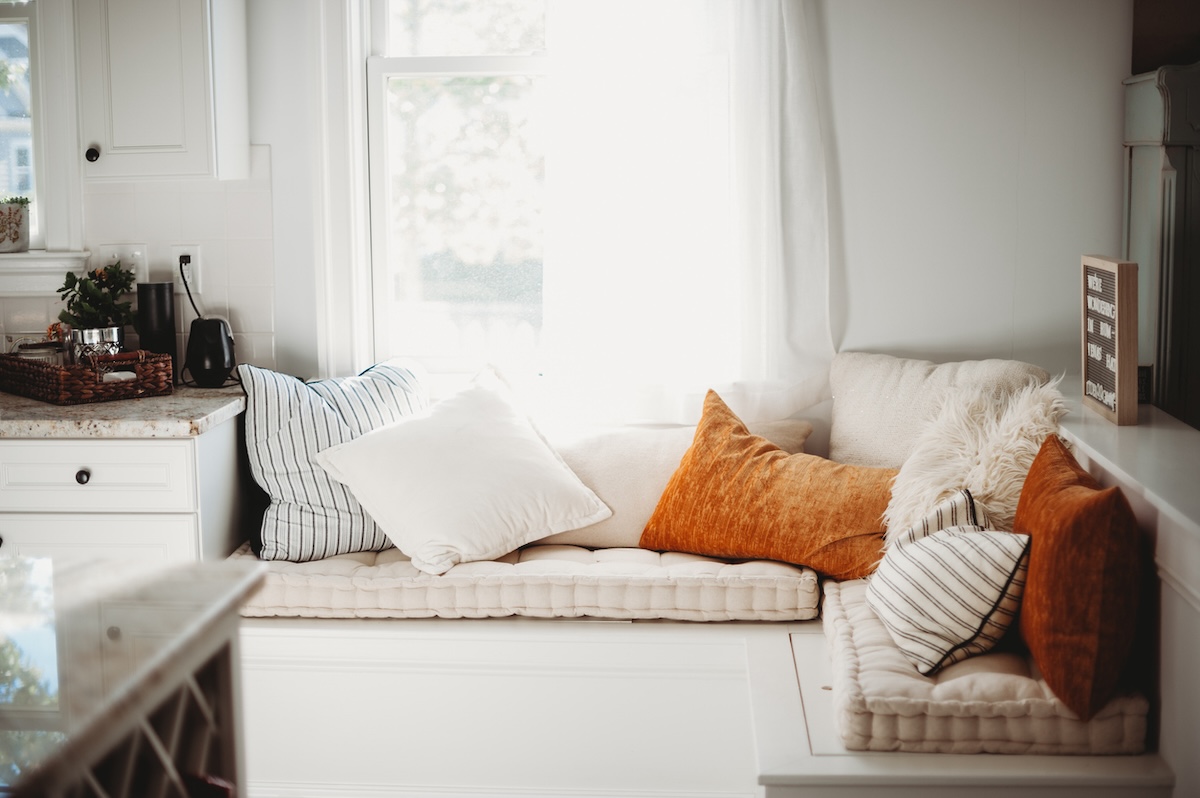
column 737, row 495
column 1079, row 612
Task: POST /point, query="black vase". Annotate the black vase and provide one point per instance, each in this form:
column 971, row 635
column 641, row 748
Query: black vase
column 210, row 357
column 156, row 321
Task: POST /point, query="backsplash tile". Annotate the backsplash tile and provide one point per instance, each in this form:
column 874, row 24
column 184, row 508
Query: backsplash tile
column 231, row 222
column 29, row 313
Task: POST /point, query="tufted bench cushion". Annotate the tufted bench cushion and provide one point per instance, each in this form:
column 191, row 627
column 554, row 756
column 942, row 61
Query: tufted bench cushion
column 993, row 703
column 544, row 581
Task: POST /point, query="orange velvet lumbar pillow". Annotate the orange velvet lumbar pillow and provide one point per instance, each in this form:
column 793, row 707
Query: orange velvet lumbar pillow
column 737, row 495
column 1079, row 611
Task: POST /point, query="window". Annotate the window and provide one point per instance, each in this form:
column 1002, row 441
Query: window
column 17, row 108
column 621, row 203
column 458, row 166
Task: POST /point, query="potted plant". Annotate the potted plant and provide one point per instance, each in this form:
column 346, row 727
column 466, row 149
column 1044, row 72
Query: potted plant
column 14, row 224
column 95, row 310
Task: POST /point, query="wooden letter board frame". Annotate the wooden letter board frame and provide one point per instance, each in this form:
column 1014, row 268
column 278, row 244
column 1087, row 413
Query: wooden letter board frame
column 1110, row 338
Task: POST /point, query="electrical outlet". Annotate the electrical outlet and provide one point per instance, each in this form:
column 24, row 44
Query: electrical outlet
column 191, row 270
column 132, row 257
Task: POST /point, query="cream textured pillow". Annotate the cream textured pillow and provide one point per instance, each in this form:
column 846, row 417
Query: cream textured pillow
column 471, row 479
column 881, row 402
column 983, row 441
column 628, row 468
column 951, row 595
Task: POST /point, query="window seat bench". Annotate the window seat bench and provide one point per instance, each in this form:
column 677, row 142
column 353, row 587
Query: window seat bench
column 506, row 706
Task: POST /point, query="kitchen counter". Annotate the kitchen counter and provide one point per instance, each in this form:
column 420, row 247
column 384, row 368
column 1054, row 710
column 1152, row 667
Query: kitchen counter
column 137, row 664
column 186, row 413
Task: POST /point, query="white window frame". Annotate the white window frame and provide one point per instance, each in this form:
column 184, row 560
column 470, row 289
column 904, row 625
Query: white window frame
column 57, row 160
column 380, row 70
column 27, row 13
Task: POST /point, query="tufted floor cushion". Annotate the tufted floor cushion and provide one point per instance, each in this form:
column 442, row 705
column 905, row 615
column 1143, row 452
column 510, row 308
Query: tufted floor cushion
column 544, row 581
column 993, row 703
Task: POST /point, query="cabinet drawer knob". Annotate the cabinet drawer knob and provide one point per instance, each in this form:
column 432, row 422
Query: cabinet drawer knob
column 83, row 476
column 92, row 154
column 113, row 633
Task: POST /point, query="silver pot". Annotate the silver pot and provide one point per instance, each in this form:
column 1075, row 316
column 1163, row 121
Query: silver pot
column 97, row 341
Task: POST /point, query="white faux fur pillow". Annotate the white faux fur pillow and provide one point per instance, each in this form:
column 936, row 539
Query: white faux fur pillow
column 982, row 441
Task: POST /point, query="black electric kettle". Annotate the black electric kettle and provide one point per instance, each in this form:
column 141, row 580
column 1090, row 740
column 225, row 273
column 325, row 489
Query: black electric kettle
column 210, row 352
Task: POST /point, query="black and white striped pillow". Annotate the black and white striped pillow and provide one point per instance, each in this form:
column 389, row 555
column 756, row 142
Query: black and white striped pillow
column 288, row 421
column 959, row 509
column 950, row 595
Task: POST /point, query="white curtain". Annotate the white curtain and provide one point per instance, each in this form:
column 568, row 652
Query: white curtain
column 687, row 243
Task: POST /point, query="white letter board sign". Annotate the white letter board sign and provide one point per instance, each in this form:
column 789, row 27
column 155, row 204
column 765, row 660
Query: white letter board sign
column 1110, row 338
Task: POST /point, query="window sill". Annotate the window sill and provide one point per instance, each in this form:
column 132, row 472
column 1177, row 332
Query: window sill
column 37, row 272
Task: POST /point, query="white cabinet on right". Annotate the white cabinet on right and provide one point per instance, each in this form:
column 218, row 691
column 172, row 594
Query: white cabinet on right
column 1162, row 230
column 163, row 88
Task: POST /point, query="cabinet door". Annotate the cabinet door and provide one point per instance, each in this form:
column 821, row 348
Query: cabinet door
column 161, row 538
column 145, row 93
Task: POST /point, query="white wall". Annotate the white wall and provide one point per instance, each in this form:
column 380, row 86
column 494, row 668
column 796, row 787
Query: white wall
column 977, row 155
column 285, row 82
column 306, row 100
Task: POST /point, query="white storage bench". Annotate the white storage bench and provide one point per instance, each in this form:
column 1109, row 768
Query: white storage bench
column 510, row 706
column 541, row 707
column 339, row 701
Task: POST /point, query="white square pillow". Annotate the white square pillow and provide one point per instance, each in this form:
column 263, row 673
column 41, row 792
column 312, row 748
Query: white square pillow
column 471, row 479
column 629, row 467
column 950, row 595
column 288, row 421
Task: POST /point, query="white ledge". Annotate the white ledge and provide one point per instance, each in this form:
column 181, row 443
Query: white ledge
column 1155, row 462
column 37, row 271
column 1160, row 453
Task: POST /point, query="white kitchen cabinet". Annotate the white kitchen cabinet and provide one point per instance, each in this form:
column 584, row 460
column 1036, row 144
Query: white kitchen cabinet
column 174, row 494
column 162, row 88
column 1162, row 229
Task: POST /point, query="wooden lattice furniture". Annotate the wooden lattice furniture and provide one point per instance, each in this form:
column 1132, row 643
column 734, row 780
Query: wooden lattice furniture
column 139, row 678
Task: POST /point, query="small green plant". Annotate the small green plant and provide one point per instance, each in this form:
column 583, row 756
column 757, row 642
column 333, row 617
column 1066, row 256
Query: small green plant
column 94, row 300
column 14, row 201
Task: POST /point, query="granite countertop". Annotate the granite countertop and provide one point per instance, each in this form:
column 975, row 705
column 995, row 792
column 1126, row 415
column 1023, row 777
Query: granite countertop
column 186, row 413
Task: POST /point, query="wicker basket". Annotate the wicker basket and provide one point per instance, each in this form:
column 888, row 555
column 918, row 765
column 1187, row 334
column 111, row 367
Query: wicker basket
column 86, row 382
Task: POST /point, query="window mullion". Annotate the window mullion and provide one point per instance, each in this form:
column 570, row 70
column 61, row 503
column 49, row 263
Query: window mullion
column 428, row 66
